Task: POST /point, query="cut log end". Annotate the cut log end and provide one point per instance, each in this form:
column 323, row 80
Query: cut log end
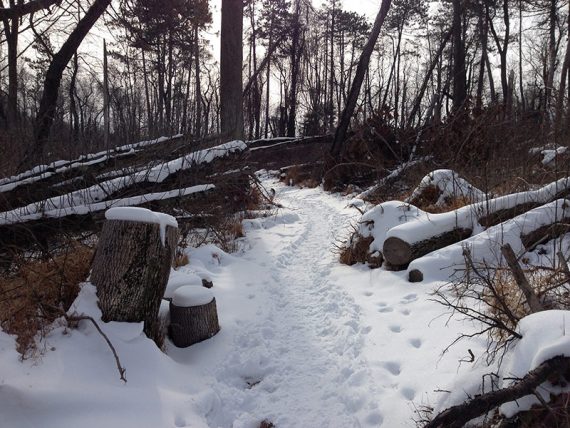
column 397, row 252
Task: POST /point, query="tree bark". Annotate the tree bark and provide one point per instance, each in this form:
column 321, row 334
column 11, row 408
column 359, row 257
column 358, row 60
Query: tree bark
column 364, row 61
column 190, row 325
column 130, row 270
column 231, row 61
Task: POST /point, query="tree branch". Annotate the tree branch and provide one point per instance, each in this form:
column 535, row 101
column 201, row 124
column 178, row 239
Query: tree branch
column 20, row 10
column 459, row 415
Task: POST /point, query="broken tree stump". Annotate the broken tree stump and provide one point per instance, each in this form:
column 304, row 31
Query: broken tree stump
column 193, row 316
column 132, row 265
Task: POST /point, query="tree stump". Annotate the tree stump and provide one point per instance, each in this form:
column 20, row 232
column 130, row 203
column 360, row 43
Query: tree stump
column 132, row 265
column 193, row 316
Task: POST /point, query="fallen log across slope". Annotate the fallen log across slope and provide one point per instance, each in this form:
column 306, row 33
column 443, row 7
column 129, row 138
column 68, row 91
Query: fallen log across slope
column 484, row 247
column 415, row 239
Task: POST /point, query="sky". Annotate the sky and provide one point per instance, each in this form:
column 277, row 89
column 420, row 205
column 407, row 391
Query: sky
column 366, row 7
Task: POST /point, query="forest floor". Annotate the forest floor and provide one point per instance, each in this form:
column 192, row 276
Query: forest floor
column 304, row 342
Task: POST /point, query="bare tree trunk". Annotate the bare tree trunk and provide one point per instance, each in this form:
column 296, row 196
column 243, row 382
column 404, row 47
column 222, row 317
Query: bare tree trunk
column 364, row 61
column 231, row 61
column 198, row 127
column 54, row 75
column 295, row 62
column 434, row 62
column 459, row 73
column 106, row 109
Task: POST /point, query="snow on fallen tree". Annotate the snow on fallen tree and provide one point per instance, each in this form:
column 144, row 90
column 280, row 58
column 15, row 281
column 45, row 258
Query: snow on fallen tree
column 19, row 216
column 412, row 240
column 443, row 186
column 532, row 373
column 102, row 191
column 42, row 172
column 484, row 247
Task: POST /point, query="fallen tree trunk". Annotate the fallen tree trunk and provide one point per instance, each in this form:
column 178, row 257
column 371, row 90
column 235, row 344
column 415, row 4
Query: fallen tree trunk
column 440, row 230
column 545, row 233
column 399, row 253
column 458, row 416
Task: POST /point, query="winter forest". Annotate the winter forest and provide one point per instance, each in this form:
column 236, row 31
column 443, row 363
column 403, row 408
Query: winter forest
column 284, row 213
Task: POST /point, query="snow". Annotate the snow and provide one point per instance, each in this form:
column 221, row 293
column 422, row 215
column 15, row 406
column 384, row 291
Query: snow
column 450, row 185
column 192, row 295
column 544, row 337
column 304, row 342
column 143, row 215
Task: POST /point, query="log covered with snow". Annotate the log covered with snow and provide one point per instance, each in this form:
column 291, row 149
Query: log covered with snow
column 132, row 264
column 193, row 316
column 430, row 232
column 484, row 247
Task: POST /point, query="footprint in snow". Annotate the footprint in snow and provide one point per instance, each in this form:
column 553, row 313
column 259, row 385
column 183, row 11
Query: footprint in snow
column 409, row 298
column 408, row 393
column 395, row 328
column 416, row 343
column 393, row 367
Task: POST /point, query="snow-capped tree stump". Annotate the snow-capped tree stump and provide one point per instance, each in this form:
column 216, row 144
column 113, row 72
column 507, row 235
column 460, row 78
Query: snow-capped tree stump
column 193, row 316
column 132, row 265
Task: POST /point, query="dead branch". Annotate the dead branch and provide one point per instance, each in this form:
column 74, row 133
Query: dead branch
column 83, row 317
column 520, row 278
column 458, row 416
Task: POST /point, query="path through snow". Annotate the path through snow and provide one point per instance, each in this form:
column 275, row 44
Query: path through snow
column 330, row 345
column 304, row 342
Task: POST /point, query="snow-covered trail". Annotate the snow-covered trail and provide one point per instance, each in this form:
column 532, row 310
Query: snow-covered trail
column 329, row 345
column 304, row 342
column 309, row 348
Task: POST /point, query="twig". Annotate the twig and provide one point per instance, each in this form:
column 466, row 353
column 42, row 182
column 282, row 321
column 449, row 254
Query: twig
column 83, row 317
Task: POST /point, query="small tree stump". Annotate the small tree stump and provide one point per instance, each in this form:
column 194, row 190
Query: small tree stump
column 193, row 316
column 132, row 265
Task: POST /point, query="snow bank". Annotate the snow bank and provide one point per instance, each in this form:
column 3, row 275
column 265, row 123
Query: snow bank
column 450, row 186
column 484, row 247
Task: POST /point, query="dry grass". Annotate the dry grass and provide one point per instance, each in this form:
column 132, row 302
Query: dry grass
column 357, row 251
column 181, row 259
column 26, row 295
